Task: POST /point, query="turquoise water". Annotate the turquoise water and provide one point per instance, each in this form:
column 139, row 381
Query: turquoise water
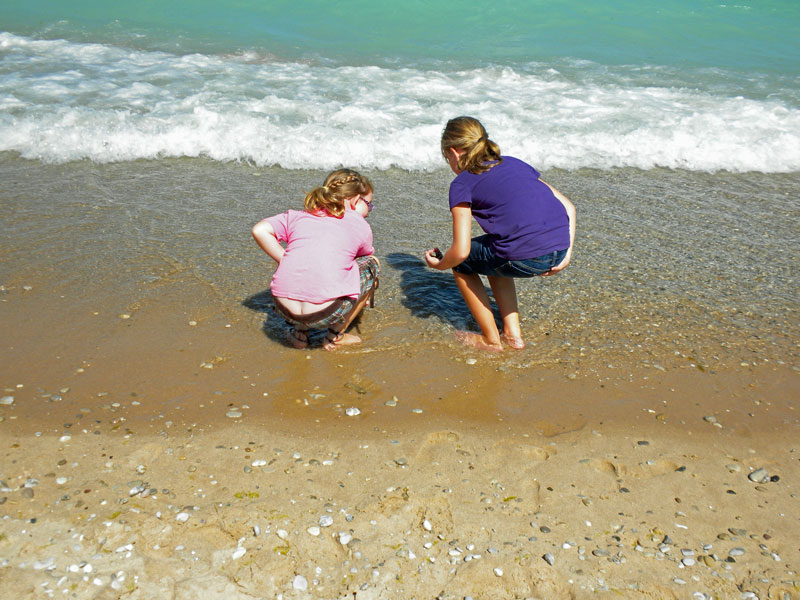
column 694, row 84
column 699, row 33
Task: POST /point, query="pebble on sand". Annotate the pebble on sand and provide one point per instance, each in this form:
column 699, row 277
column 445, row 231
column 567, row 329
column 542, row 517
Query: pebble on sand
column 300, row 583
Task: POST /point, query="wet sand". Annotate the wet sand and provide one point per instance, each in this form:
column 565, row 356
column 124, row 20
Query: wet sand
column 161, row 441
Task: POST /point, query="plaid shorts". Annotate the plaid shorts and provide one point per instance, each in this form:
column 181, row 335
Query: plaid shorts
column 337, row 312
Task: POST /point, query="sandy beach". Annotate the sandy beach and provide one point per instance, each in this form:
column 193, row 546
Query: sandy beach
column 187, row 472
column 222, row 500
column 161, row 440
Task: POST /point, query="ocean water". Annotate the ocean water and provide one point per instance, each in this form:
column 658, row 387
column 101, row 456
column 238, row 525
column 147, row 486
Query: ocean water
column 697, row 85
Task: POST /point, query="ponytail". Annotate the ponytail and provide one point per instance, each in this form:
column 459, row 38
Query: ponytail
column 468, row 135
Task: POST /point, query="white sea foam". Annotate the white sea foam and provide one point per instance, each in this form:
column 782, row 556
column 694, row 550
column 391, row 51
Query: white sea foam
column 62, row 101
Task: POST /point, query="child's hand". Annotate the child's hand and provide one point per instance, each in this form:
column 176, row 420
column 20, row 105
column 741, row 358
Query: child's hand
column 433, row 258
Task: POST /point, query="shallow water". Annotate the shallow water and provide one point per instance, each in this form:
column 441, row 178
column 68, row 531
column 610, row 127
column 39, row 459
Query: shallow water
column 671, row 268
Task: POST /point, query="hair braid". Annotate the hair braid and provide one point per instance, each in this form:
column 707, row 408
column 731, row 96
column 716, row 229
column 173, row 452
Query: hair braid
column 338, row 186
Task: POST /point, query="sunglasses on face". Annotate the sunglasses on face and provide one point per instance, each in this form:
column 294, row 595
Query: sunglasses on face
column 370, row 206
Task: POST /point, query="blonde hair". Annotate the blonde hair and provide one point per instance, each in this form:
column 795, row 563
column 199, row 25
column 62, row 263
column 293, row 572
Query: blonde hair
column 468, row 135
column 338, row 186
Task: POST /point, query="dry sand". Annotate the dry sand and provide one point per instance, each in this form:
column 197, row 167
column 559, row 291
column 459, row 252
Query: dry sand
column 625, row 490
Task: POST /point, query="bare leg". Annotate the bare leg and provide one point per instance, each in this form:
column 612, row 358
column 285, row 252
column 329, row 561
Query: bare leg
column 505, row 294
column 346, row 339
column 474, row 294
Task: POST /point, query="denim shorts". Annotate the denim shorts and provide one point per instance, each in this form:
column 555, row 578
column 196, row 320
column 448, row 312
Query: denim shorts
column 483, row 261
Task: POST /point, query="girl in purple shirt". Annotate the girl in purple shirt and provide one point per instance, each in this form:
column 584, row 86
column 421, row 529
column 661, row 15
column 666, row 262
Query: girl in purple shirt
column 529, row 225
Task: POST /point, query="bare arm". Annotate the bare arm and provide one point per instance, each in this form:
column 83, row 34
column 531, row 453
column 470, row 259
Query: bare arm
column 462, row 240
column 571, row 214
column 264, row 235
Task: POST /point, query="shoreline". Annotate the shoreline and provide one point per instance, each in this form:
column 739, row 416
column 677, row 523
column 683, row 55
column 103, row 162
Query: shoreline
column 547, row 401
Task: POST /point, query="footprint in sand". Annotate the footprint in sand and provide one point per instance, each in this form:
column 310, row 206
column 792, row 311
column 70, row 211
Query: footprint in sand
column 445, row 447
column 439, row 445
column 522, row 459
column 509, row 452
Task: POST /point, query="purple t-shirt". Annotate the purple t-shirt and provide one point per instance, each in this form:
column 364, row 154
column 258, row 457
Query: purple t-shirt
column 520, row 213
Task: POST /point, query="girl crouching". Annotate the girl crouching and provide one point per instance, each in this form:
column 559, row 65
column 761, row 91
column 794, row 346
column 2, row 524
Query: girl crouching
column 327, row 272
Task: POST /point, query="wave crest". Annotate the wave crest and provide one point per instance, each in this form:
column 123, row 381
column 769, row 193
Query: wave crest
column 61, row 101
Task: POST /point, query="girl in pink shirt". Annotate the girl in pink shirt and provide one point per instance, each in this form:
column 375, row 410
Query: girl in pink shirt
column 326, row 272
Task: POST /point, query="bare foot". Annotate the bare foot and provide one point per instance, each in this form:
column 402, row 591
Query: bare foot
column 517, row 343
column 298, row 338
column 476, row 340
column 340, row 339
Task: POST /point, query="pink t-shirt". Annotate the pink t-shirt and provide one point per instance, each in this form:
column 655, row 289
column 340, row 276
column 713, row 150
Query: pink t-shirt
column 319, row 263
